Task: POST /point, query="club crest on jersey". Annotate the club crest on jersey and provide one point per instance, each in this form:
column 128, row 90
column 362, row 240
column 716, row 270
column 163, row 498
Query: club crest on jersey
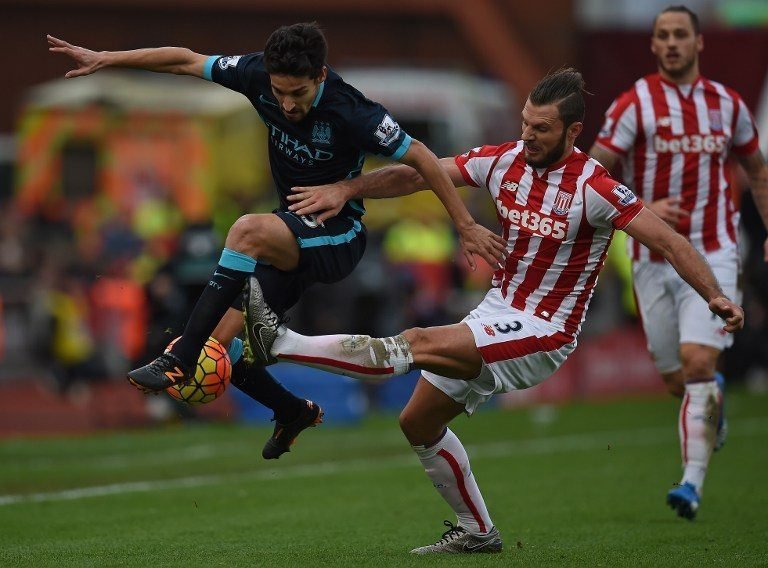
column 229, row 61
column 625, row 195
column 387, row 130
column 509, row 185
column 562, row 203
column 321, row 132
column 489, row 330
column 715, row 119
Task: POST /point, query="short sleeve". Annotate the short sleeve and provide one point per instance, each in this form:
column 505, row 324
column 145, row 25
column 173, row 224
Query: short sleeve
column 373, row 129
column 609, row 203
column 745, row 137
column 477, row 164
column 233, row 71
column 619, row 129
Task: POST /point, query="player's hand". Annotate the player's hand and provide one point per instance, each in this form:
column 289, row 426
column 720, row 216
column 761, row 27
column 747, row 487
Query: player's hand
column 323, row 201
column 730, row 312
column 87, row 61
column 669, row 210
column 476, row 239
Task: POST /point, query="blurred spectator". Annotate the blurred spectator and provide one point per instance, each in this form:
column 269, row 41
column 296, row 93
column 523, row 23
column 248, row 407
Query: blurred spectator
column 119, row 317
column 61, row 330
column 420, row 251
column 13, row 259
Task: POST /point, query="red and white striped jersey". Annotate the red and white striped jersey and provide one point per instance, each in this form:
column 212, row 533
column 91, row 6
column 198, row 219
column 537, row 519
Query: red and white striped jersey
column 558, row 222
column 674, row 142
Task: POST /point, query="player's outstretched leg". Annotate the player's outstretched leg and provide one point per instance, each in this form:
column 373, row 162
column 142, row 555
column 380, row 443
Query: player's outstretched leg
column 358, row 356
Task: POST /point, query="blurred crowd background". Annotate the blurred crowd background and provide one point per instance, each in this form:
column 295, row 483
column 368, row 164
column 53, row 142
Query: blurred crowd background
column 116, row 190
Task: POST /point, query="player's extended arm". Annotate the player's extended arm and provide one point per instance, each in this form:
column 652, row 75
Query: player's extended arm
column 689, row 264
column 178, row 60
column 757, row 173
column 325, row 201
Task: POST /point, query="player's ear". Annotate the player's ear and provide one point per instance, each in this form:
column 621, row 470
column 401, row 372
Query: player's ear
column 322, row 76
column 574, row 130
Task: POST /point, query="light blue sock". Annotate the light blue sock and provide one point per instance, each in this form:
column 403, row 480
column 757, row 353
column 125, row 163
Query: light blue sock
column 235, row 350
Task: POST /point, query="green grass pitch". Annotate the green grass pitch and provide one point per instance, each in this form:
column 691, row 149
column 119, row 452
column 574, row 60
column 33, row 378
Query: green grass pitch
column 578, row 485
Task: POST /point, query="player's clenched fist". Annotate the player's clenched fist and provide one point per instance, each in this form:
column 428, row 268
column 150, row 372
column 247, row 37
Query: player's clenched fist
column 729, row 311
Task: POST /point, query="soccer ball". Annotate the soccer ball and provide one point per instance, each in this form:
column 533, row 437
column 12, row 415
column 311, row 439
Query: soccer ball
column 212, row 375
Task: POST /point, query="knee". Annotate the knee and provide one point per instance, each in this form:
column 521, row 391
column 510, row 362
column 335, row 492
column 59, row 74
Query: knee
column 416, row 337
column 406, row 421
column 246, row 234
column 698, row 364
column 412, row 427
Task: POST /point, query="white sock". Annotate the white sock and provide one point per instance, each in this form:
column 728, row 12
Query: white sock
column 447, row 465
column 699, row 414
column 358, row 356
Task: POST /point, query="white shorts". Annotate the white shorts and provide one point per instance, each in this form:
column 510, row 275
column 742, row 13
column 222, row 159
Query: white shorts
column 674, row 313
column 518, row 349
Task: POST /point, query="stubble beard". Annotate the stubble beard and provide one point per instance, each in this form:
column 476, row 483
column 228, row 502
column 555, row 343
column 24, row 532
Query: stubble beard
column 680, row 72
column 550, row 157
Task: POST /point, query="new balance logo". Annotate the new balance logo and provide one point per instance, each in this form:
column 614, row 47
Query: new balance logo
column 175, row 375
column 509, row 186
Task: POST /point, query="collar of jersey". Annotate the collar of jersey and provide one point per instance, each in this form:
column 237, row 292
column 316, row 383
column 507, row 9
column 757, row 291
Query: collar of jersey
column 319, row 94
column 675, row 86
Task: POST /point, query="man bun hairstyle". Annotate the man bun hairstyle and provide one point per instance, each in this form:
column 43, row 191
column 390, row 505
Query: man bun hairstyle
column 565, row 89
column 684, row 10
column 298, row 50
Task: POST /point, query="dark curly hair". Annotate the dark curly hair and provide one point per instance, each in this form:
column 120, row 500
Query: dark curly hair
column 298, row 50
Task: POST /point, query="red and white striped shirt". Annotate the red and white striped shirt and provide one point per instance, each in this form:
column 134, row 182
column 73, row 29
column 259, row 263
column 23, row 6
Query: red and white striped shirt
column 674, row 142
column 558, row 222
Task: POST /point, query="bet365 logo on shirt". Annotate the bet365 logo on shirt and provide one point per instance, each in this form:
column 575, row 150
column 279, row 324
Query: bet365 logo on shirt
column 532, row 221
column 699, row 143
